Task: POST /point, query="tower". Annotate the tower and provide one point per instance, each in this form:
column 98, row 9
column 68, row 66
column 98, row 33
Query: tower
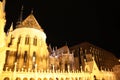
column 2, row 35
column 2, row 16
column 27, row 46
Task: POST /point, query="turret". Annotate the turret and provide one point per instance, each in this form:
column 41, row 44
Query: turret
column 2, row 16
column 2, row 23
column 2, row 35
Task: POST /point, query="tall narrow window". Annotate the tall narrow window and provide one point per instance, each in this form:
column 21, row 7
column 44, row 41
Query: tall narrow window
column 34, row 59
column 65, row 66
column 27, row 40
column 7, row 56
column 19, row 39
column 25, row 57
column 35, row 41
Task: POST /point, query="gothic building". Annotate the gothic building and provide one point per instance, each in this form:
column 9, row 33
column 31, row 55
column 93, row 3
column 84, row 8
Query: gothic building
column 25, row 55
column 105, row 60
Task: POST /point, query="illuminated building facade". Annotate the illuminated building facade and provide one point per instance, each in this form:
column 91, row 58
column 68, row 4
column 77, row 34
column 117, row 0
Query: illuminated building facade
column 105, row 60
column 24, row 55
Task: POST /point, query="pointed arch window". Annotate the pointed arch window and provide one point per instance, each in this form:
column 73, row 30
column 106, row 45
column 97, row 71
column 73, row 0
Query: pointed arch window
column 6, row 78
column 34, row 59
column 35, row 41
column 27, row 40
column 7, row 57
column 25, row 57
column 19, row 39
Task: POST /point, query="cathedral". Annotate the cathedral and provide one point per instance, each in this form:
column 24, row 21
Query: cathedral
column 25, row 55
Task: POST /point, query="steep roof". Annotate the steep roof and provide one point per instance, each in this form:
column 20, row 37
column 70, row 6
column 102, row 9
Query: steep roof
column 30, row 22
column 103, row 58
column 63, row 49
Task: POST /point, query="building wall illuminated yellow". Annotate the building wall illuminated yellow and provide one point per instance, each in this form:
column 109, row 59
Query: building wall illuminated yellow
column 24, row 55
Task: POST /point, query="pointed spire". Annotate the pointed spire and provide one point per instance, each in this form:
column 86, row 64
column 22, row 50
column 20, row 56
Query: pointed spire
column 3, row 4
column 53, row 51
column 55, row 48
column 93, row 58
column 20, row 19
column 21, row 14
column 32, row 11
column 85, row 61
column 49, row 45
column 50, row 48
column 11, row 27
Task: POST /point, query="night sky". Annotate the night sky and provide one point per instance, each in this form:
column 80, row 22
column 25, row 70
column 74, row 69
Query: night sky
column 72, row 22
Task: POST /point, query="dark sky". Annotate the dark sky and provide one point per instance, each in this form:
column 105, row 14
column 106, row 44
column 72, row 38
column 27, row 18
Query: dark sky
column 72, row 22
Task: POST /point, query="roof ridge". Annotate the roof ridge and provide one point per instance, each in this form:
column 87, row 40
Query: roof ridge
column 30, row 22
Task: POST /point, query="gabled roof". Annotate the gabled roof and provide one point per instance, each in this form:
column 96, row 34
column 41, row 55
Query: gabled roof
column 63, row 49
column 30, row 22
column 103, row 58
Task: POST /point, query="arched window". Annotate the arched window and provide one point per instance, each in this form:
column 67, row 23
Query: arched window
column 32, row 79
column 27, row 40
column 6, row 78
column 25, row 57
column 80, row 78
column 25, row 79
column 34, row 59
column 7, row 55
column 51, row 79
column 34, row 56
column 57, row 78
column 17, row 78
column 45, row 79
column 76, row 78
column 39, row 79
column 66, row 66
column 19, row 39
column 35, row 41
column 67, row 78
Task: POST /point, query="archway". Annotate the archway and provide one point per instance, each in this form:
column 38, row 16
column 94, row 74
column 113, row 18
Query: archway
column 25, row 79
column 6, row 78
column 76, row 78
column 51, row 79
column 32, row 79
column 57, row 78
column 45, row 79
column 18, row 78
column 80, row 78
column 67, row 78
column 39, row 79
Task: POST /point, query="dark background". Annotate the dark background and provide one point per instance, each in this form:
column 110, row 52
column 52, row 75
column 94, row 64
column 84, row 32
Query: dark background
column 71, row 21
